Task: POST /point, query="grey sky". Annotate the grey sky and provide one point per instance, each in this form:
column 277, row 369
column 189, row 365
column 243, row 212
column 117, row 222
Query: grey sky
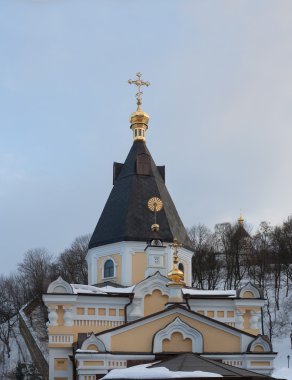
column 219, row 101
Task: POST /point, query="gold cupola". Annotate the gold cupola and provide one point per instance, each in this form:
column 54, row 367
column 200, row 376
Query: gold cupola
column 241, row 220
column 139, row 119
column 176, row 276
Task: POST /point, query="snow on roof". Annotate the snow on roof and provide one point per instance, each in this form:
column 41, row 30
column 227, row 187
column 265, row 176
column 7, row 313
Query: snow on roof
column 223, row 293
column 142, row 372
column 89, row 289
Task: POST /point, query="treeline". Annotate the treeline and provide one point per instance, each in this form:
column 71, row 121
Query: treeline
column 229, row 256
column 225, row 257
column 32, row 277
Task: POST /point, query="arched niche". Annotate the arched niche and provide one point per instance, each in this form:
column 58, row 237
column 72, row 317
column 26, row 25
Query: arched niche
column 60, row 286
column 93, row 343
column 154, row 302
column 186, row 331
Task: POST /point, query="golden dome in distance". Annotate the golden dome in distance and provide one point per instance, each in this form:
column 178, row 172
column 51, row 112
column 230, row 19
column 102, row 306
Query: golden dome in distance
column 241, row 220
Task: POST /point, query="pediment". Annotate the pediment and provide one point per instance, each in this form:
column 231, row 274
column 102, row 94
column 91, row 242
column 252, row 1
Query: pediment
column 60, row 286
column 178, row 326
column 93, row 343
column 151, row 283
column 139, row 335
column 260, row 344
column 250, row 291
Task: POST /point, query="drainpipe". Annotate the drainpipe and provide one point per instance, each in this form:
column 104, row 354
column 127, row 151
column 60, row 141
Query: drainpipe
column 131, row 296
column 187, row 297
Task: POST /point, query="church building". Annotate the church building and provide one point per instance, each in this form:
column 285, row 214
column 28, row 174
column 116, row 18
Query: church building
column 139, row 305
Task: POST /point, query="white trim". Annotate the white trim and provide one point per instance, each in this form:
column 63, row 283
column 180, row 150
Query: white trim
column 147, row 286
column 93, row 340
column 260, row 341
column 249, row 288
column 103, row 261
column 60, row 286
column 178, row 326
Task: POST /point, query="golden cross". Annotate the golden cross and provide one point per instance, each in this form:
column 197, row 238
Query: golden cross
column 139, row 83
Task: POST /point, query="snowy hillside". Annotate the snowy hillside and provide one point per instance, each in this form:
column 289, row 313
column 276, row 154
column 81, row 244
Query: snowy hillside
column 283, row 347
column 18, row 353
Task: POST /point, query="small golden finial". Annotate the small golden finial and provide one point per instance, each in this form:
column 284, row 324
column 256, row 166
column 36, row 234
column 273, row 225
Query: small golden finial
column 139, row 83
column 176, row 275
column 241, row 219
column 155, row 204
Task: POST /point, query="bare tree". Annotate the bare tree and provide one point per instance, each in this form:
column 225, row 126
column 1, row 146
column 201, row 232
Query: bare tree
column 8, row 313
column 233, row 244
column 259, row 268
column 205, row 264
column 37, row 271
column 71, row 264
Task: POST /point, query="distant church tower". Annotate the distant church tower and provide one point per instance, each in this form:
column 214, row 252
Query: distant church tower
column 139, row 221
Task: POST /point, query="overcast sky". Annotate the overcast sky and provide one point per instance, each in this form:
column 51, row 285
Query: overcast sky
column 220, row 103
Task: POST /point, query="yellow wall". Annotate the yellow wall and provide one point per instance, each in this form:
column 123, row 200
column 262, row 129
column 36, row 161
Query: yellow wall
column 74, row 330
column 140, row 339
column 118, row 260
column 154, row 302
column 260, row 364
column 139, row 263
column 61, row 364
column 92, row 347
column 96, row 363
column 258, row 348
column 177, row 344
column 247, row 294
column 60, row 315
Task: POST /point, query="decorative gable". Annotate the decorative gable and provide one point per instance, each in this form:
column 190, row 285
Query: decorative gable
column 187, row 332
column 60, row 286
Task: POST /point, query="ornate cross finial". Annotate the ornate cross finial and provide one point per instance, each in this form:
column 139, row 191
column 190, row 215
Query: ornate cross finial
column 176, row 275
column 139, row 83
column 175, row 246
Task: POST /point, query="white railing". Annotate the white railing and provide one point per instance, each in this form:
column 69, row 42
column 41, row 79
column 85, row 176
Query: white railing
column 97, row 323
column 117, row 364
column 234, row 363
column 60, row 339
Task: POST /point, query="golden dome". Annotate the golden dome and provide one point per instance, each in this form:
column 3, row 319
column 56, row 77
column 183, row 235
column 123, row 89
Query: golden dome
column 241, row 220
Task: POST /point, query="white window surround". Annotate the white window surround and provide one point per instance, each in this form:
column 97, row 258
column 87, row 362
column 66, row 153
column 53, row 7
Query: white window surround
column 103, row 261
column 178, row 326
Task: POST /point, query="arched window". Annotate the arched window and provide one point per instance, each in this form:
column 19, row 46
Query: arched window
column 108, row 269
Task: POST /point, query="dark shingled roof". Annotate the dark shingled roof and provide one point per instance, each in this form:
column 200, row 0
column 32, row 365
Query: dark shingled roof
column 126, row 216
column 192, row 362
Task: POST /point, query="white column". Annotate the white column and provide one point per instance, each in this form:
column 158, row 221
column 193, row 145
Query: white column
column 239, row 320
